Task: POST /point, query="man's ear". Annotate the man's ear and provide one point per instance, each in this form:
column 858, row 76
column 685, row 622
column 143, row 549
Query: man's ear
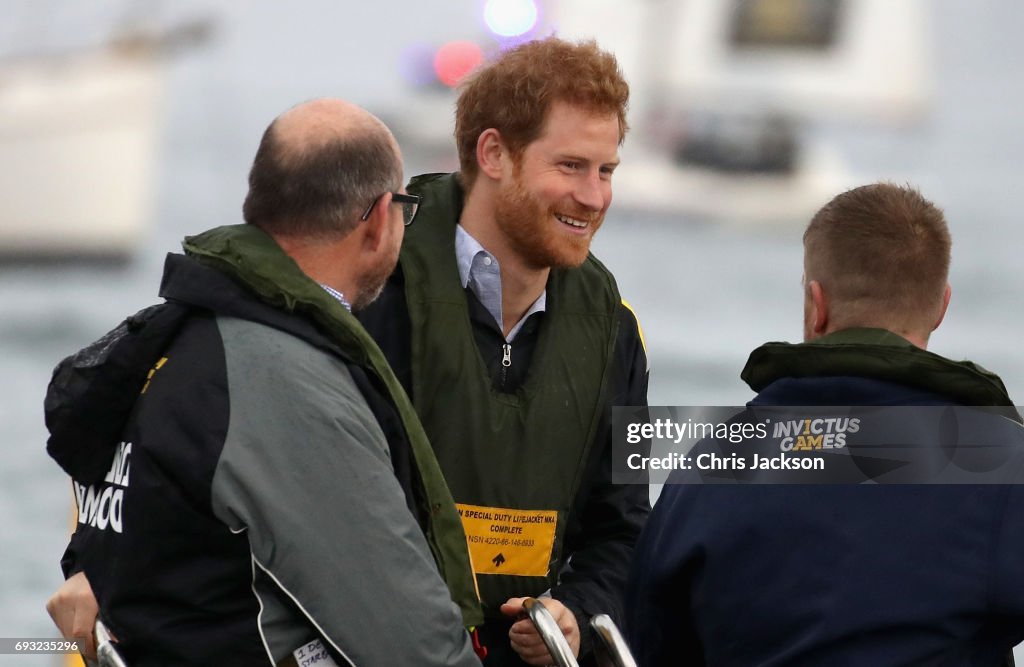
column 374, row 229
column 491, row 153
column 819, row 303
column 945, row 304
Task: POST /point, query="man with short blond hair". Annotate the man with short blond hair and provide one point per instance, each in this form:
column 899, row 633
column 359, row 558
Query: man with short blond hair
column 831, row 572
column 881, row 253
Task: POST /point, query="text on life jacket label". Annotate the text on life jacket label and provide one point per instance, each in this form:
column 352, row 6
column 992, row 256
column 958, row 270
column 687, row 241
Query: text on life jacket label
column 509, row 541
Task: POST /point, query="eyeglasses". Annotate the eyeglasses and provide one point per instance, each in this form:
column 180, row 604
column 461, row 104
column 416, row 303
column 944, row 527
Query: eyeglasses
column 410, row 205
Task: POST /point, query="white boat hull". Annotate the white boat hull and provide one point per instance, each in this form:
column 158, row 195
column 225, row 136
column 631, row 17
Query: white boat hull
column 78, row 145
column 653, row 182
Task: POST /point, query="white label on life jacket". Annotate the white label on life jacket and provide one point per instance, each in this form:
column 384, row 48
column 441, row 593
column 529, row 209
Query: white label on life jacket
column 313, row 654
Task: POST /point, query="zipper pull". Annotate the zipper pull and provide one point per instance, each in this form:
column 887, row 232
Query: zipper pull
column 506, row 359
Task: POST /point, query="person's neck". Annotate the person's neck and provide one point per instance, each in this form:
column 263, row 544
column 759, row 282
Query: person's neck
column 915, row 338
column 323, row 262
column 521, row 282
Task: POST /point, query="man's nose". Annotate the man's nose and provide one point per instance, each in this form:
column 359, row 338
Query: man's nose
column 593, row 192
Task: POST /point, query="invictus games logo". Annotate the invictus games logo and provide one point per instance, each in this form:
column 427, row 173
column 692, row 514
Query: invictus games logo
column 813, row 434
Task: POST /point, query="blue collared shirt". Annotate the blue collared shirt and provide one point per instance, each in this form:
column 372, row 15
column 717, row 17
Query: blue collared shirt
column 479, row 271
column 338, row 295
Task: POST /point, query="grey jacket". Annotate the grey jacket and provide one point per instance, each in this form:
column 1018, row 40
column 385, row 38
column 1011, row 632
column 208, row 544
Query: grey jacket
column 258, row 503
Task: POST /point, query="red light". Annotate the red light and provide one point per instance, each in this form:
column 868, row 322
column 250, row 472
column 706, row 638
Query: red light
column 455, row 60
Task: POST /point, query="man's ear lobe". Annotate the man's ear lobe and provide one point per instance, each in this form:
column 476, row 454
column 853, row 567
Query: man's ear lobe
column 945, row 305
column 819, row 300
column 490, row 151
column 375, row 227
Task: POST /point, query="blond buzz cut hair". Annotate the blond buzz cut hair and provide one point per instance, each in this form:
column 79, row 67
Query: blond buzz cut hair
column 881, row 253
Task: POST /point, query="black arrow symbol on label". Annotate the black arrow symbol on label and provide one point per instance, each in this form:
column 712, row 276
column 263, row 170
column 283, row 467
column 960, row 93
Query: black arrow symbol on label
column 498, row 560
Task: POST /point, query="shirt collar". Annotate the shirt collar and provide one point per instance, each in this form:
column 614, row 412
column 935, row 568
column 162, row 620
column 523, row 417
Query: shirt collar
column 479, row 271
column 468, row 249
column 337, row 295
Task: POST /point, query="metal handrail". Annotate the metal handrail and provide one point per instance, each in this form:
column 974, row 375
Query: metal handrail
column 610, row 647
column 106, row 654
column 550, row 633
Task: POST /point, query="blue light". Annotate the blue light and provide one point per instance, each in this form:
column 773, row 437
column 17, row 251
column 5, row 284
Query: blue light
column 416, row 64
column 510, row 18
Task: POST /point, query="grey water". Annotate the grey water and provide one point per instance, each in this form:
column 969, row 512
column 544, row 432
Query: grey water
column 706, row 293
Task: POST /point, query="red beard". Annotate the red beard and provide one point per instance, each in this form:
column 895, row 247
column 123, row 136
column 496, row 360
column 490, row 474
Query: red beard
column 533, row 233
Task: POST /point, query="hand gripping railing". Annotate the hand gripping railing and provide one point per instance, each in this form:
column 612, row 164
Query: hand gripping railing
column 550, row 633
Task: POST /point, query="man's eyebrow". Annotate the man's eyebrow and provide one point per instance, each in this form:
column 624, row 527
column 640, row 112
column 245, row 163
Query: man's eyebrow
column 577, row 158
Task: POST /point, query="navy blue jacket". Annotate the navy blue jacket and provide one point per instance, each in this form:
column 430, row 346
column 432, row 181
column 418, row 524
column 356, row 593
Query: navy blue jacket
column 831, row 575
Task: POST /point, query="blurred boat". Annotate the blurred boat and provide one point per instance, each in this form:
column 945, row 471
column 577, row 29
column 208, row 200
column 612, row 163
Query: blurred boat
column 731, row 99
column 79, row 139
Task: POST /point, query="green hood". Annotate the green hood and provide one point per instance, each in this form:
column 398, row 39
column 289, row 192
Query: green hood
column 878, row 354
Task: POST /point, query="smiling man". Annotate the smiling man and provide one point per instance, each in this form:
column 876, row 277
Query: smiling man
column 514, row 343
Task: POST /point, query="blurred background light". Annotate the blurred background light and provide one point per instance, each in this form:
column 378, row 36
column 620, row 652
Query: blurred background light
column 416, row 65
column 455, row 60
column 510, row 18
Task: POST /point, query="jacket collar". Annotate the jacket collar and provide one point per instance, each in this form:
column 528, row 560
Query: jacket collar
column 251, row 256
column 876, row 354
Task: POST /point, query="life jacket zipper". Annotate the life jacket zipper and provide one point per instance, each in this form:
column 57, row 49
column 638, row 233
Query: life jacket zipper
column 506, row 361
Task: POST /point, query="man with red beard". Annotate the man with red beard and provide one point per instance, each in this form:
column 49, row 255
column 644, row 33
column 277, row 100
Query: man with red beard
column 513, row 341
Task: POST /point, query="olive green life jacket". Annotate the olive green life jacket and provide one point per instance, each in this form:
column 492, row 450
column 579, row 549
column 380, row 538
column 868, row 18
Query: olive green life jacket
column 252, row 257
column 514, row 461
